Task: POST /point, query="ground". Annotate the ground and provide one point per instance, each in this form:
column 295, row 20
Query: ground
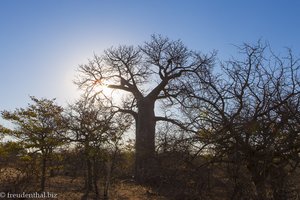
column 68, row 188
column 122, row 190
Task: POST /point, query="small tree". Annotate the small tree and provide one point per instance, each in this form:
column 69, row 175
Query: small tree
column 40, row 127
column 89, row 127
column 10, row 152
column 95, row 128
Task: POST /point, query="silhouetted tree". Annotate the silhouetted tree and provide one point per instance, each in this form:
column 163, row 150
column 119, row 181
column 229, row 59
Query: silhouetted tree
column 250, row 117
column 40, row 127
column 96, row 129
column 10, row 152
column 89, row 128
column 156, row 72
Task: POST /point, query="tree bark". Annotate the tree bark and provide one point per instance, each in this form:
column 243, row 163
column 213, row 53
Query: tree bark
column 88, row 173
column 43, row 176
column 88, row 179
column 95, row 177
column 145, row 141
column 259, row 182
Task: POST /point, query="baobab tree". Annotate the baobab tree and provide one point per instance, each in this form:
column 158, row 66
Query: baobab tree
column 154, row 72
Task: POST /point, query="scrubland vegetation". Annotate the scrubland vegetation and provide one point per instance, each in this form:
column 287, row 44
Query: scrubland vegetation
column 204, row 128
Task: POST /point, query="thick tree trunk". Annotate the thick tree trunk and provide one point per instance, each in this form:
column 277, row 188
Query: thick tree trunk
column 145, row 141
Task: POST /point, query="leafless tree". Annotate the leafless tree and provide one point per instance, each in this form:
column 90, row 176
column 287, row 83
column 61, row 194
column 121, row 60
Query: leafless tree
column 250, row 117
column 97, row 129
column 89, row 128
column 156, row 72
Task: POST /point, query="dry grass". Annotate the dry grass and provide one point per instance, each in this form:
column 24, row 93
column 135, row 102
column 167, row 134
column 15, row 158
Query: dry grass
column 130, row 191
column 68, row 188
column 9, row 174
column 65, row 187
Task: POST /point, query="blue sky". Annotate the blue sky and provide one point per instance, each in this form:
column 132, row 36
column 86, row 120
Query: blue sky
column 43, row 42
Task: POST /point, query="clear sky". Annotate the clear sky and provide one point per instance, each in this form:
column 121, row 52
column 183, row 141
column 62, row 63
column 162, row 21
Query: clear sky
column 43, row 42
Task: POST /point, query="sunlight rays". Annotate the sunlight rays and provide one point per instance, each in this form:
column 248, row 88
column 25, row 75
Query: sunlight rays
column 101, row 86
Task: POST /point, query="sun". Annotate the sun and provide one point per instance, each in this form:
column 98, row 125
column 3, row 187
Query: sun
column 106, row 90
column 101, row 86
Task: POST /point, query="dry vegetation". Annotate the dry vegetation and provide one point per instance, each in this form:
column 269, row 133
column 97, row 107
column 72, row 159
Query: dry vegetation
column 230, row 136
column 68, row 188
column 219, row 187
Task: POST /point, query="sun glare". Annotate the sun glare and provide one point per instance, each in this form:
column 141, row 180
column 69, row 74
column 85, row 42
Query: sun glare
column 101, row 86
column 106, row 90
